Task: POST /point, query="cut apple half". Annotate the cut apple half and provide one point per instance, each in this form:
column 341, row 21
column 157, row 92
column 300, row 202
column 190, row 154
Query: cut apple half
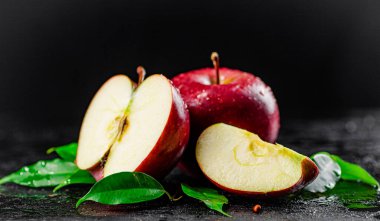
column 149, row 114
column 238, row 161
column 144, row 130
column 103, row 120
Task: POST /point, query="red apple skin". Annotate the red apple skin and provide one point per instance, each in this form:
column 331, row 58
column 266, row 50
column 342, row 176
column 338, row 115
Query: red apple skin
column 309, row 173
column 169, row 147
column 241, row 100
column 97, row 172
column 172, row 143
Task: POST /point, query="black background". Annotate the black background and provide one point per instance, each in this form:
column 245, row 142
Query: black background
column 318, row 56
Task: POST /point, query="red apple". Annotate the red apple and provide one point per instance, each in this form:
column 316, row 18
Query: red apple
column 126, row 129
column 227, row 96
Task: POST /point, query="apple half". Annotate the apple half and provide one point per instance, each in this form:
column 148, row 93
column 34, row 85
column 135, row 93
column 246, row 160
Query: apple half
column 143, row 129
column 239, row 162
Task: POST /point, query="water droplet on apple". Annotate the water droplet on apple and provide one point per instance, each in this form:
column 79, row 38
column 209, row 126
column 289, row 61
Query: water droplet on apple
column 263, row 94
column 202, row 95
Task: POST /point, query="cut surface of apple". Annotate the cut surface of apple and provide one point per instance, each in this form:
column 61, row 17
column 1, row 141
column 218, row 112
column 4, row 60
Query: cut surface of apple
column 149, row 113
column 238, row 161
column 102, row 120
column 143, row 130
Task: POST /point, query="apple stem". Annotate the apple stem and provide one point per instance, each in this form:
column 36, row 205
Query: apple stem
column 215, row 60
column 141, row 72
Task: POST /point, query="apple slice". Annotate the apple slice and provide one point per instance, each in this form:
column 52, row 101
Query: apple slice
column 145, row 130
column 238, row 161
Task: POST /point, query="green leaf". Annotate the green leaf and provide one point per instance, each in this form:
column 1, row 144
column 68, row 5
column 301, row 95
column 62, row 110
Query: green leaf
column 355, row 195
column 80, row 177
column 43, row 173
column 352, row 195
column 66, row 152
column 210, row 197
column 329, row 173
column 124, row 188
column 354, row 172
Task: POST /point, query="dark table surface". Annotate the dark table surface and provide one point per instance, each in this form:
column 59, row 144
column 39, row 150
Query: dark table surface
column 354, row 135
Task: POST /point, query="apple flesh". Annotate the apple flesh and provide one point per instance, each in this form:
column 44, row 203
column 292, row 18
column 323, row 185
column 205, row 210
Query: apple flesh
column 239, row 162
column 100, row 126
column 125, row 129
column 240, row 99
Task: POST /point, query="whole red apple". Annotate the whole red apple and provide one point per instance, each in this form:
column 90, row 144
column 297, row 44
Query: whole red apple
column 223, row 95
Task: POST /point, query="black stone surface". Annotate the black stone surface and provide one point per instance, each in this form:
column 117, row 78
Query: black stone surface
column 354, row 135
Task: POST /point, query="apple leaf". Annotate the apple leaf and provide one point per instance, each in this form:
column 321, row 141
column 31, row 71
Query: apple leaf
column 44, row 173
column 354, row 172
column 66, row 152
column 208, row 196
column 329, row 174
column 355, row 195
column 80, row 177
column 352, row 195
column 124, row 188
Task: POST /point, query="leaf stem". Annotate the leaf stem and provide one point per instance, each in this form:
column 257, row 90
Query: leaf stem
column 5, row 179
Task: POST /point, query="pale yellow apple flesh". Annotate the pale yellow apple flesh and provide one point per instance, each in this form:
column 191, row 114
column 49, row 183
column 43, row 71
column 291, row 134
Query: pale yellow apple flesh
column 103, row 119
column 240, row 162
column 148, row 114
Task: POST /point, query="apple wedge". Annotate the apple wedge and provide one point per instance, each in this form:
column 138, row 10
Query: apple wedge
column 125, row 129
column 239, row 162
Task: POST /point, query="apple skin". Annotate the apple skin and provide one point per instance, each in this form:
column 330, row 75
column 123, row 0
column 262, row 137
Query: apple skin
column 309, row 174
column 169, row 147
column 172, row 143
column 96, row 172
column 241, row 100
